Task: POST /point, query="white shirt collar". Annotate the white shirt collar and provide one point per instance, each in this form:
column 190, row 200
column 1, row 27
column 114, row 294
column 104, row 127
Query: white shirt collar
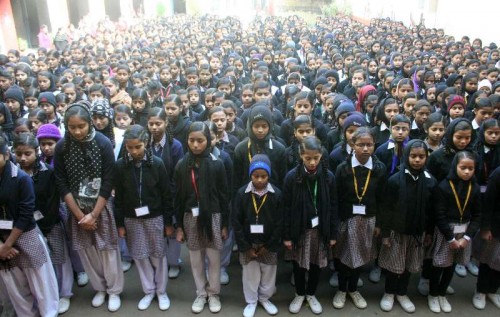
column 427, row 175
column 486, row 149
column 383, row 126
column 414, row 125
column 355, row 162
column 391, row 145
column 251, row 188
column 475, row 125
column 348, row 148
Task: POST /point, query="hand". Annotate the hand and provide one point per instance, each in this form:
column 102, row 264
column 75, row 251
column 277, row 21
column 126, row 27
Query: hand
column 454, row 245
column 88, row 222
column 333, row 243
column 224, row 233
column 251, row 253
column 169, row 230
column 427, row 240
column 463, row 243
column 288, row 244
column 486, row 235
column 386, row 242
column 376, row 232
column 7, row 253
column 262, row 251
column 180, row 235
column 122, row 232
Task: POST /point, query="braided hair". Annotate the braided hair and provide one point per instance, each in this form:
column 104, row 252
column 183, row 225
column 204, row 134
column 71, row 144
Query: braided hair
column 28, row 139
column 138, row 132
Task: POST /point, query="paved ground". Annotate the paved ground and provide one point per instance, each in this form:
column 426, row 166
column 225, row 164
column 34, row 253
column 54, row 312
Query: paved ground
column 181, row 292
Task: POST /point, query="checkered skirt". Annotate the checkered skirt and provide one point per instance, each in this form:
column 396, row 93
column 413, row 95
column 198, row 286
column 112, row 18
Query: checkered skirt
column 443, row 256
column 311, row 249
column 195, row 241
column 270, row 258
column 56, row 241
column 406, row 253
column 32, row 252
column 145, row 237
column 356, row 245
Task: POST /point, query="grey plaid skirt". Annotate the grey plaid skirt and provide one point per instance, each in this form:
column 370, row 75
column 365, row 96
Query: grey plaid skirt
column 145, row 237
column 195, row 241
column 406, row 253
column 356, row 245
column 443, row 256
column 310, row 250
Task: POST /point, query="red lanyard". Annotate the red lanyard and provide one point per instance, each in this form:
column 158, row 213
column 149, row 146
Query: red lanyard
column 193, row 182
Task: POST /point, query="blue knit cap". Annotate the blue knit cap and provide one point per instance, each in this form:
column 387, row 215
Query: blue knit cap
column 260, row 161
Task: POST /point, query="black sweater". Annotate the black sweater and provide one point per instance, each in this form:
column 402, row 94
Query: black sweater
column 155, row 192
column 447, row 211
column 270, row 215
column 374, row 194
column 439, row 163
column 490, row 218
column 47, row 198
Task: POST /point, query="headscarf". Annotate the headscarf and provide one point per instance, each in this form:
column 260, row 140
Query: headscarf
column 8, row 125
column 449, row 146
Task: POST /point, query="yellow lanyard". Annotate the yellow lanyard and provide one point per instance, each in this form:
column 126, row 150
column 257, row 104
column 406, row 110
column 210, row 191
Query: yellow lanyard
column 356, row 184
column 248, row 152
column 257, row 210
column 460, row 208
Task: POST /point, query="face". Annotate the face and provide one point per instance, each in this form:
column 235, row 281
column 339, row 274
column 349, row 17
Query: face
column 78, row 128
column 417, row 158
column 262, row 94
column 311, row 159
column 421, row 115
column 25, row 156
column 457, row 111
column 197, row 142
column 225, row 89
column 408, row 106
column 21, row 76
column 138, row 105
column 483, row 114
column 48, row 146
column 13, row 105
column 400, row 131
column 260, row 179
column 43, row 83
column 205, row 76
column 462, row 138
column 100, row 122
column 122, row 76
column 220, row 120
column 465, row 169
column 173, row 111
column 390, row 111
column 302, row 106
column 48, row 108
column 260, row 129
column 436, row 132
column 397, row 61
column 404, row 90
column 363, row 148
column 302, row 131
column 71, row 94
column 35, row 123
column 357, row 78
column 230, row 114
column 431, row 94
column 349, row 133
column 194, row 98
column 135, row 148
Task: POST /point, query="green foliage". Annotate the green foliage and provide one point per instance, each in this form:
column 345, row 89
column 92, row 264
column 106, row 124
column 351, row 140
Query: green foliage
column 335, row 8
column 161, row 10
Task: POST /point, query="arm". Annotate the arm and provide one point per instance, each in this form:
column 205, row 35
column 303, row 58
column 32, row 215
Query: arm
column 238, row 222
column 167, row 203
column 119, row 201
column 334, row 213
column 274, row 242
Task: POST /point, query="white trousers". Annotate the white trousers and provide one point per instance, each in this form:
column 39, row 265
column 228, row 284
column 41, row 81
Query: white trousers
column 104, row 269
column 33, row 292
column 64, row 275
column 153, row 274
column 198, row 268
column 259, row 281
column 7, row 308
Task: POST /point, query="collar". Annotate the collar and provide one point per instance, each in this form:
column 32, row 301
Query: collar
column 225, row 137
column 355, row 162
column 162, row 142
column 427, row 175
column 348, row 148
column 383, row 126
column 414, row 125
column 475, row 125
column 486, row 149
column 391, row 145
column 251, row 188
column 14, row 170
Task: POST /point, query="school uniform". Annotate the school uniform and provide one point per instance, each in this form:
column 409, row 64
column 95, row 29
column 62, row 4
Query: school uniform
column 143, row 205
column 381, row 134
column 358, row 217
column 387, row 154
column 98, row 250
column 227, row 143
column 286, row 131
column 213, row 216
column 333, row 138
column 259, row 274
column 338, row 155
column 29, row 277
column 416, row 132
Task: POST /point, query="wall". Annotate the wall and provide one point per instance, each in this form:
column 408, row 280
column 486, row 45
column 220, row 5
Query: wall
column 8, row 40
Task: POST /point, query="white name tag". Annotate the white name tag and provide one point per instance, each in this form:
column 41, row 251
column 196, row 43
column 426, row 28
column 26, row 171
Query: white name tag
column 314, row 222
column 142, row 211
column 38, row 215
column 359, row 209
column 460, row 229
column 256, row 228
column 195, row 211
column 6, row 224
column 483, row 188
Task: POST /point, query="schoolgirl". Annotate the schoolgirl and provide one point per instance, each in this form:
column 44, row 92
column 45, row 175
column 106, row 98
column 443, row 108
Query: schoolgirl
column 259, row 141
column 123, row 76
column 117, row 96
column 165, row 79
column 483, row 110
column 334, row 136
column 25, row 265
column 97, row 91
column 36, row 118
column 408, row 103
column 31, row 98
column 434, row 131
column 385, row 111
column 303, row 126
column 420, row 113
column 359, row 211
column 195, row 98
column 164, row 146
column 310, row 221
column 14, row 100
column 234, row 124
column 46, row 81
column 201, row 205
column 176, row 119
column 487, row 150
column 123, row 118
column 48, row 135
column 457, row 218
column 257, row 221
column 62, row 102
column 224, row 141
column 408, row 209
column 143, row 212
column 47, row 102
column 84, row 168
column 46, row 213
column 72, row 91
column 488, row 280
column 140, row 106
column 6, row 122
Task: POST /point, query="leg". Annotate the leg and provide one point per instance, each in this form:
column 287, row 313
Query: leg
column 17, row 286
column 198, row 268
column 403, row 281
column 113, row 273
column 43, row 286
column 251, row 277
column 494, row 281
column 64, row 274
column 300, row 279
column 426, row 269
column 434, row 280
column 93, row 267
column 312, row 282
column 146, row 274
column 267, row 281
column 391, row 282
column 160, row 273
column 446, row 279
column 213, row 257
column 353, row 280
column 344, row 272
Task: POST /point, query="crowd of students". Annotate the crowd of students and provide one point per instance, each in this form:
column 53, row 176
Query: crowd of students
column 337, row 145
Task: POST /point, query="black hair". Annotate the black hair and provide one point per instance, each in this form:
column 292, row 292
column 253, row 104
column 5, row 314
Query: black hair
column 138, row 132
column 75, row 110
column 28, row 139
column 434, row 118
